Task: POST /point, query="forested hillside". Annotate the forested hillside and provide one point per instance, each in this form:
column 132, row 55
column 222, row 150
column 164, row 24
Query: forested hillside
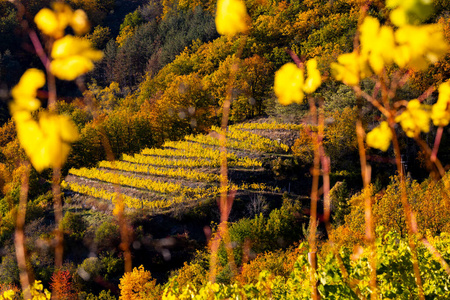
column 254, row 149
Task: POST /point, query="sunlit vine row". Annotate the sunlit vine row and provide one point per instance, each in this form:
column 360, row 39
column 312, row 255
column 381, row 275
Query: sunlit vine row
column 130, row 202
column 167, row 162
column 233, row 159
column 137, row 203
column 191, row 174
column 244, row 162
column 268, row 126
column 186, row 149
column 241, row 140
column 142, row 183
column 259, row 187
column 164, row 187
column 258, row 142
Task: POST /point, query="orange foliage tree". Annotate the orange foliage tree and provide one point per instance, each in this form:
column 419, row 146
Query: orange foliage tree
column 61, row 285
column 138, row 285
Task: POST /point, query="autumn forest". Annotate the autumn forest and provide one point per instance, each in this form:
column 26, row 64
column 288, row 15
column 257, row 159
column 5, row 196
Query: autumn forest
column 231, row 149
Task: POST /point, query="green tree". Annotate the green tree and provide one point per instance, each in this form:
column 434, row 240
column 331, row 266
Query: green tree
column 99, row 37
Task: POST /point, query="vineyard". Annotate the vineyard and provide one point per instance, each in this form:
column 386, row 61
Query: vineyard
column 185, row 172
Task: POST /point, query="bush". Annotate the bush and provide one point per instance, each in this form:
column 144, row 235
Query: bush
column 107, row 236
column 279, row 263
column 340, row 206
column 194, row 273
column 280, row 229
column 9, row 271
column 303, row 147
column 90, row 268
column 104, row 295
column 138, row 285
column 61, row 285
column 113, row 265
column 395, row 278
column 74, row 225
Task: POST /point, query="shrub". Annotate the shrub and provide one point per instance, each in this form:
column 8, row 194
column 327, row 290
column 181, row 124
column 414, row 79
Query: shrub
column 104, row 295
column 304, row 147
column 112, row 265
column 340, row 138
column 194, row 273
column 74, row 225
column 107, row 235
column 394, row 264
column 280, row 229
column 339, row 198
column 279, row 263
column 9, row 271
column 138, row 285
column 61, row 285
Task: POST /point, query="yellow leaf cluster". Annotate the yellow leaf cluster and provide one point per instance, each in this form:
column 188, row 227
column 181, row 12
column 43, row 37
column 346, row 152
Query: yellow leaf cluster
column 54, row 22
column 290, row 84
column 37, row 292
column 415, row 119
column 231, row 17
column 47, row 141
column 440, row 113
column 380, row 137
column 377, row 43
column 410, row 46
column 73, row 57
column 418, row 46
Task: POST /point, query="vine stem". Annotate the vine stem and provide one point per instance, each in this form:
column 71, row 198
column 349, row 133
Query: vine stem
column 368, row 215
column 437, row 142
column 19, row 236
column 312, row 255
column 39, row 49
column 56, row 181
column 225, row 200
column 325, row 161
column 433, row 157
column 411, row 222
column 56, row 177
column 372, row 101
column 366, row 175
column 57, row 207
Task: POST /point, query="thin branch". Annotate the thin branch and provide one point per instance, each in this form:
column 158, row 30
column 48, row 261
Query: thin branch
column 368, row 215
column 437, row 142
column 436, row 254
column 411, row 222
column 57, row 206
column 437, row 163
column 295, row 58
column 426, row 94
column 39, row 49
column 372, row 101
column 312, row 255
column 226, row 201
column 19, row 236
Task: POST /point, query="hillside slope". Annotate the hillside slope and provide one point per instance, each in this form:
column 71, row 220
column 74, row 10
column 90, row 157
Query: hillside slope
column 187, row 172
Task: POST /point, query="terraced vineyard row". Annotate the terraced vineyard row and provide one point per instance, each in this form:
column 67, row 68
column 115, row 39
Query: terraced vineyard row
column 269, row 126
column 182, row 172
column 243, row 140
column 192, row 174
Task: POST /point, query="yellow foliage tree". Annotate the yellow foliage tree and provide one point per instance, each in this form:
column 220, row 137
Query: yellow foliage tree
column 138, row 285
column 125, row 33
